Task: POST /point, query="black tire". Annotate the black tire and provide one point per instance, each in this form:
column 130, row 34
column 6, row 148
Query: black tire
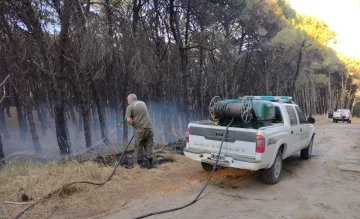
column 334, row 120
column 206, row 166
column 349, row 121
column 272, row 175
column 306, row 152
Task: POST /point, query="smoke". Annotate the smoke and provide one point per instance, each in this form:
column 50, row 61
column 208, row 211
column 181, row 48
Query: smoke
column 168, row 125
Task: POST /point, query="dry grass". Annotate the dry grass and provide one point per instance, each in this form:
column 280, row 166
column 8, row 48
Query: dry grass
column 38, row 179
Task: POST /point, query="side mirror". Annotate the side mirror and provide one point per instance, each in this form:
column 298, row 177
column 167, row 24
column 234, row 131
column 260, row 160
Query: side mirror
column 311, row 120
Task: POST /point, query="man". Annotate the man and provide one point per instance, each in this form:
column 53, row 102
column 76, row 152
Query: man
column 343, row 115
column 138, row 117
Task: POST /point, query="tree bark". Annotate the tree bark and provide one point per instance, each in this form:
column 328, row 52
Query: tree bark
column 20, row 117
column 330, row 95
column 41, row 116
column 33, row 132
column 81, row 121
column 2, row 155
column 297, row 67
column 60, row 79
column 3, row 126
column 101, row 115
column 174, row 26
column 85, row 110
column 95, row 121
column 61, row 128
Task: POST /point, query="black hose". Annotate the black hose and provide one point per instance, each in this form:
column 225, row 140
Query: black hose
column 203, row 188
column 77, row 182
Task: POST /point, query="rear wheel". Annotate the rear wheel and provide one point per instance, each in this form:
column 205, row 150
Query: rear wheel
column 334, row 120
column 272, row 175
column 306, row 152
column 206, row 166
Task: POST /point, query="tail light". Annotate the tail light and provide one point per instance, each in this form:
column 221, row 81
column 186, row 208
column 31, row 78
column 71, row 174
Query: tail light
column 260, row 144
column 187, row 134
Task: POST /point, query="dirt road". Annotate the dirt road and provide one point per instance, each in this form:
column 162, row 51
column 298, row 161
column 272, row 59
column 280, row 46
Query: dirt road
column 326, row 186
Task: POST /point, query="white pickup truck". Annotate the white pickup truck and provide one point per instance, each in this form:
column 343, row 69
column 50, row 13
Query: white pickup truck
column 342, row 115
column 254, row 149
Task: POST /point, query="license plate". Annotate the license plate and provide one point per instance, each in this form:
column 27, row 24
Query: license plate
column 215, row 157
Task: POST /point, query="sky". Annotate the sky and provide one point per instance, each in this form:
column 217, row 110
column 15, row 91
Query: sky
column 342, row 16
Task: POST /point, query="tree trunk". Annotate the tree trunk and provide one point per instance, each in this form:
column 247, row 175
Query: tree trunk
column 60, row 78
column 95, row 122
column 33, row 132
column 61, row 128
column 42, row 119
column 85, row 109
column 81, row 121
column 330, row 95
column 7, row 109
column 297, row 67
column 50, row 104
column 7, row 101
column 101, row 115
column 2, row 155
column 3, row 126
column 21, row 119
column 73, row 118
column 174, row 26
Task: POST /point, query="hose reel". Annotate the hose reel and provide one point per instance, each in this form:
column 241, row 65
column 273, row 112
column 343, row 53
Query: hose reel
column 240, row 109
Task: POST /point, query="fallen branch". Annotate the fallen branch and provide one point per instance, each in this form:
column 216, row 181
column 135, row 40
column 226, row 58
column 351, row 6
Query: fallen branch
column 18, row 203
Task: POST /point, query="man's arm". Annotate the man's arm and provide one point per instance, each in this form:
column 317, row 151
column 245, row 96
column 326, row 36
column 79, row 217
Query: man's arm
column 130, row 121
column 128, row 116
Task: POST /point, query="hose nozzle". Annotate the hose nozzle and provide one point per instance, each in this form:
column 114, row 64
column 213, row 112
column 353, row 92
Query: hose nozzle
column 121, row 122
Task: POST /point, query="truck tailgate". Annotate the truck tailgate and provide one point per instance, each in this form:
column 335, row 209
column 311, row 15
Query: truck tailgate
column 239, row 142
column 337, row 115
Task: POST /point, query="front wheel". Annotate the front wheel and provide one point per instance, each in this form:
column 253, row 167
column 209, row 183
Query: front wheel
column 272, row 175
column 306, row 152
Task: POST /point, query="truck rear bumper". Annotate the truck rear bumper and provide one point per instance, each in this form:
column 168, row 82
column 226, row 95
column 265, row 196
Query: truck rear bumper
column 340, row 118
column 230, row 160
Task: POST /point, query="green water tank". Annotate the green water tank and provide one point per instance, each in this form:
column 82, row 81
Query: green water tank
column 263, row 109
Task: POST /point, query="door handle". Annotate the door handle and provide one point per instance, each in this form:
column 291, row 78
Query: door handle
column 300, row 130
column 292, row 132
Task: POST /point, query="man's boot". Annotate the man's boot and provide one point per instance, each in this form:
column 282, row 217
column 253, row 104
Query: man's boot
column 150, row 163
column 140, row 163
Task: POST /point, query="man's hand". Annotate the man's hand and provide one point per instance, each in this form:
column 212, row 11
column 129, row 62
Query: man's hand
column 130, row 121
